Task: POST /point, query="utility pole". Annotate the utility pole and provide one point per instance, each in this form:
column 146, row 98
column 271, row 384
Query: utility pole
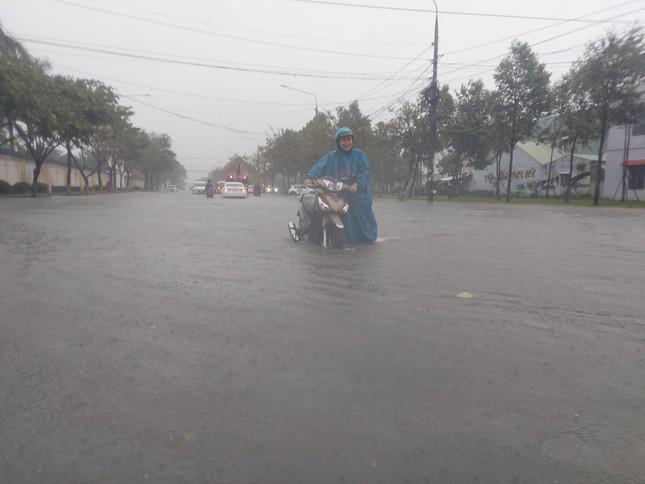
column 433, row 99
column 625, row 182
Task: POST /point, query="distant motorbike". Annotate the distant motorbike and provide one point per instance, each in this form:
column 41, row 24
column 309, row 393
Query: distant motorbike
column 320, row 215
column 210, row 192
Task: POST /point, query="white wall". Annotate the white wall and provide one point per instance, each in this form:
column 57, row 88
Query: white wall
column 14, row 170
column 615, row 151
column 525, row 171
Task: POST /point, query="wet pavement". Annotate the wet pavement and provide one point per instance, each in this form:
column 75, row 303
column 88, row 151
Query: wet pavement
column 170, row 338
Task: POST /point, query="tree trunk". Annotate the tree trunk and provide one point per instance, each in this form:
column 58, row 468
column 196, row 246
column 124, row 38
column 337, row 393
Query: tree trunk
column 99, row 169
column 11, row 136
column 510, row 172
column 548, row 177
column 86, row 181
column 36, row 173
column 567, row 195
column 498, row 165
column 68, row 178
column 596, row 195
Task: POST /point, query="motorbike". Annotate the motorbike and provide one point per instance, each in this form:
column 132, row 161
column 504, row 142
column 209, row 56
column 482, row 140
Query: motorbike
column 210, row 192
column 320, row 215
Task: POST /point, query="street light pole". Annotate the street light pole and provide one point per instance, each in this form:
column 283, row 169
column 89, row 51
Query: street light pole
column 305, row 92
column 434, row 101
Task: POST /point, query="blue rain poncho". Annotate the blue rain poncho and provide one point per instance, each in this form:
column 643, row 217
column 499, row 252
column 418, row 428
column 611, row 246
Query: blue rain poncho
column 350, row 166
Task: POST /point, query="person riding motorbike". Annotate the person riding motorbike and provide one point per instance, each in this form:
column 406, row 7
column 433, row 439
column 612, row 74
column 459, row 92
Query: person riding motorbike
column 210, row 188
column 350, row 166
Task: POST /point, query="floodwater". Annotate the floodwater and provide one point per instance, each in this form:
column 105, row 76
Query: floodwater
column 171, row 338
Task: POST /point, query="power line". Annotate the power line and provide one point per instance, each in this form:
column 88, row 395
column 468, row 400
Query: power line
column 227, row 36
column 503, row 39
column 75, row 44
column 447, row 12
column 207, row 123
column 411, row 88
column 523, row 33
column 211, row 98
column 201, row 64
column 549, row 39
column 375, row 88
column 398, row 98
column 237, row 28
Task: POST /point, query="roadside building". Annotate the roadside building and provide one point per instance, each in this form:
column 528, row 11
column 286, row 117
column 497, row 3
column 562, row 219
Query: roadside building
column 625, row 162
column 531, row 171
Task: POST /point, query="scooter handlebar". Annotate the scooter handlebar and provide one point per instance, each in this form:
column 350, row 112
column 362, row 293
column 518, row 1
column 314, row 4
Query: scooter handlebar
column 328, row 185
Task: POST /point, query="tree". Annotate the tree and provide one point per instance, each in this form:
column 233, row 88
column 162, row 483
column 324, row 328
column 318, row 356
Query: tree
column 351, row 117
column 523, row 96
column 573, row 125
column 467, row 131
column 158, row 160
column 386, row 164
column 103, row 142
column 100, row 105
column 285, row 151
column 129, row 145
column 413, row 130
column 86, row 105
column 12, row 56
column 498, row 138
column 38, row 110
column 608, row 79
column 316, row 136
column 552, row 132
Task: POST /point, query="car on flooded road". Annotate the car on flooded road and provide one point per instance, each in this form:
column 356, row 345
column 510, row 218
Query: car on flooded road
column 234, row 190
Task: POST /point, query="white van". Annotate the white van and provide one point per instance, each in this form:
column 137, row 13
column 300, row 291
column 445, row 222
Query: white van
column 198, row 188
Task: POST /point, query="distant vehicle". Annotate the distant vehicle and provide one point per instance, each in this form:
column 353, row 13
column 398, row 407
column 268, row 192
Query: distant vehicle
column 238, row 176
column 218, row 187
column 198, row 188
column 234, row 190
column 172, row 188
column 270, row 189
column 298, row 189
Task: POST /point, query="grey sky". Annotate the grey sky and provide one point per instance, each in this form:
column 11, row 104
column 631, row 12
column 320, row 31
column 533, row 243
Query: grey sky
column 315, row 47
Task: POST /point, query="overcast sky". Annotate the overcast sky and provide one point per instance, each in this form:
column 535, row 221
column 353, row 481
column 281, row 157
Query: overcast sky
column 222, row 63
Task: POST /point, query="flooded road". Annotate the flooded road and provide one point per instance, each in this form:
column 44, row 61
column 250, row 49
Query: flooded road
column 171, row 338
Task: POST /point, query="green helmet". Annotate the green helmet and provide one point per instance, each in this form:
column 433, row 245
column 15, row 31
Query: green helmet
column 342, row 132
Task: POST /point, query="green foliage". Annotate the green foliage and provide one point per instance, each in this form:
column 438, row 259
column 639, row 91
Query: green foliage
column 522, row 96
column 386, row 163
column 22, row 188
column 5, row 187
column 156, row 158
column 352, row 117
column 468, row 129
column 607, row 82
column 522, row 91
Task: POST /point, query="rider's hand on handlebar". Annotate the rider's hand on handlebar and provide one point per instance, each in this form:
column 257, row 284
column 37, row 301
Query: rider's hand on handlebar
column 352, row 188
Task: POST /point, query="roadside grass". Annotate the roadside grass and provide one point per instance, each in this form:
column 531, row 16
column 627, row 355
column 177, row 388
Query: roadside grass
column 579, row 201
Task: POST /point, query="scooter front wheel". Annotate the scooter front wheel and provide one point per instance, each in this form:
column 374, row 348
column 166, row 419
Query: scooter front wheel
column 335, row 237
